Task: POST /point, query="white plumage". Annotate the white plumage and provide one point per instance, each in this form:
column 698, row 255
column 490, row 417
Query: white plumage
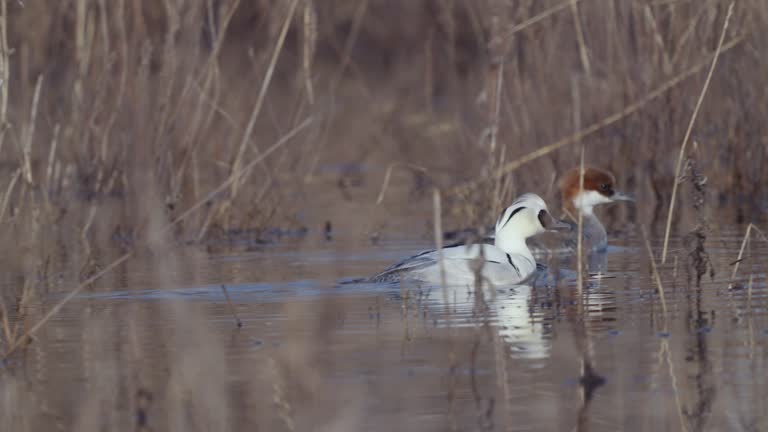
column 507, row 262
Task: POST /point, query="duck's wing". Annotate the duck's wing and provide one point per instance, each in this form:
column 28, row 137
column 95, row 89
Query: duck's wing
column 415, row 262
column 425, row 259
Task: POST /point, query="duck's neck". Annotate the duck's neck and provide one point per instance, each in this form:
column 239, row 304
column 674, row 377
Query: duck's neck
column 593, row 230
column 514, row 245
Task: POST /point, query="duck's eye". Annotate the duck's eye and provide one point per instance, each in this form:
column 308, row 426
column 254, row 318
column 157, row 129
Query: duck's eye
column 542, row 218
column 605, row 187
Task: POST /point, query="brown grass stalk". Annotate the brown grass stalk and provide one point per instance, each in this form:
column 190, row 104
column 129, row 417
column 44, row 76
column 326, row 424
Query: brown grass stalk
column 57, row 307
column 388, row 175
column 583, row 52
column 30, row 133
column 5, row 70
column 744, row 242
column 688, row 131
column 580, row 235
column 438, row 218
column 309, row 39
column 261, row 97
column 7, row 196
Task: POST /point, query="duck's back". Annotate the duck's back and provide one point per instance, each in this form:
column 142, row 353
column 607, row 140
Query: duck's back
column 461, row 263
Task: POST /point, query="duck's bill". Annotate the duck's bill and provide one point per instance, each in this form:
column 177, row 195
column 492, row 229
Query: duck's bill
column 559, row 225
column 621, row 196
column 554, row 224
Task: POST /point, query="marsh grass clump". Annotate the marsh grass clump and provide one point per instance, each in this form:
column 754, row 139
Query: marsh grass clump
column 698, row 261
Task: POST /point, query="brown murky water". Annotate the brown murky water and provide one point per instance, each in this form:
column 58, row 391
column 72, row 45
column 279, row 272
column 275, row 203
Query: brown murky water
column 155, row 347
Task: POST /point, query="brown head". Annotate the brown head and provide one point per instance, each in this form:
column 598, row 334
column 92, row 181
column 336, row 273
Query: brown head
column 598, row 189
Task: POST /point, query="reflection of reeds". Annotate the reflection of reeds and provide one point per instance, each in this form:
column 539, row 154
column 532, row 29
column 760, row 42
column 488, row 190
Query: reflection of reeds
column 656, row 276
column 698, row 261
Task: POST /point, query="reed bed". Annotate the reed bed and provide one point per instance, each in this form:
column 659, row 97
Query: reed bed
column 134, row 128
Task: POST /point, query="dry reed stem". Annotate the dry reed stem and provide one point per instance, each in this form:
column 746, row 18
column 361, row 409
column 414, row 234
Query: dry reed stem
column 308, row 47
column 5, row 72
column 494, row 130
column 52, row 158
column 6, row 198
column 656, row 275
column 210, row 73
column 741, row 254
column 580, row 233
column 357, row 21
column 658, row 38
column 689, row 130
column 388, row 174
column 583, row 53
column 262, row 95
column 589, row 130
column 538, row 17
column 55, row 309
column 30, row 132
column 744, row 242
column 438, row 218
column 123, row 35
column 236, row 175
column 10, row 331
column 686, row 35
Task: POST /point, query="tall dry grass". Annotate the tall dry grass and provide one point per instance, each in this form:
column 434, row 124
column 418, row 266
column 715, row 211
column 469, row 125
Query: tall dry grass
column 107, row 98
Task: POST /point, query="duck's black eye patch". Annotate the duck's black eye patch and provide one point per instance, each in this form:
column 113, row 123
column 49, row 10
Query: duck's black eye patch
column 514, row 212
column 542, row 218
column 606, row 189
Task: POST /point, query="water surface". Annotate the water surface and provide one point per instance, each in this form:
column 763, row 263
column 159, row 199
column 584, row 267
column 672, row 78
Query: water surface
column 155, row 345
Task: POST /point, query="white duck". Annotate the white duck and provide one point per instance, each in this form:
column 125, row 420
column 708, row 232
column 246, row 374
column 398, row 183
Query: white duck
column 506, row 262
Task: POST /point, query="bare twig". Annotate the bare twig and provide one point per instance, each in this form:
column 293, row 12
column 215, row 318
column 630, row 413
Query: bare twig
column 580, row 233
column 238, row 323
